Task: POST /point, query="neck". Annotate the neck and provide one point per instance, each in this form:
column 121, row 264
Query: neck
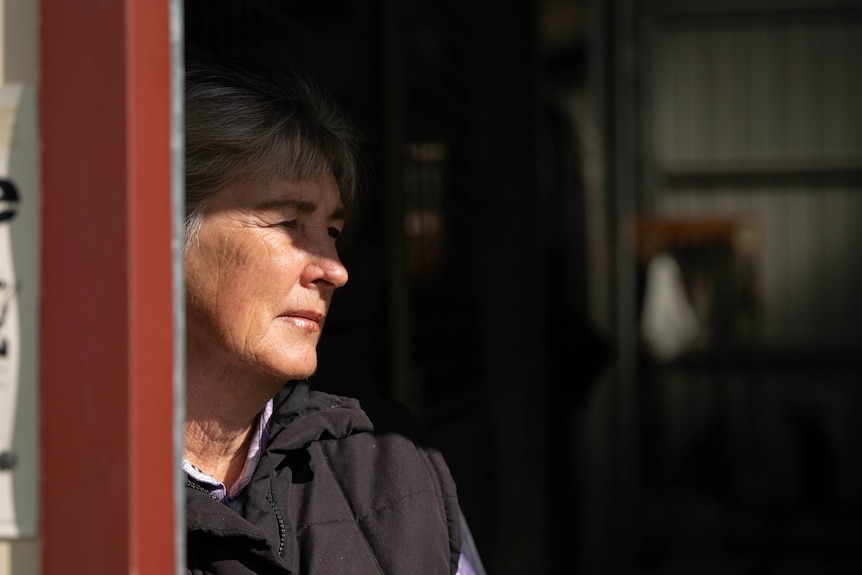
column 217, row 453
column 221, row 417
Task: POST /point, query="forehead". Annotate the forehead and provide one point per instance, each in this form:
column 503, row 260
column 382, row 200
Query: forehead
column 306, row 195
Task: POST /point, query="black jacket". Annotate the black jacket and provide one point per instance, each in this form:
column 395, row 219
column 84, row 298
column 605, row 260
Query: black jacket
column 340, row 489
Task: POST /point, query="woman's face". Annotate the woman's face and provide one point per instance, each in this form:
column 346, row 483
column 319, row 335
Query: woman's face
column 260, row 275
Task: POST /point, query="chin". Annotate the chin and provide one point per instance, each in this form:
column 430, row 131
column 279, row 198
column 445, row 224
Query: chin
column 300, row 369
column 289, row 360
column 302, row 375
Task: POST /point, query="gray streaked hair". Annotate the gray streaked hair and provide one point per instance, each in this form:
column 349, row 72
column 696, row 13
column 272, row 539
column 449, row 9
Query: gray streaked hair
column 250, row 123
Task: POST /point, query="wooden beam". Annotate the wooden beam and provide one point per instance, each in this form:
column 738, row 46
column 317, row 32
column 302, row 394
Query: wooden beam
column 107, row 325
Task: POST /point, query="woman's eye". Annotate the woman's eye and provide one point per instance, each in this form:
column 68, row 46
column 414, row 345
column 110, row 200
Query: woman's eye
column 334, row 233
column 291, row 225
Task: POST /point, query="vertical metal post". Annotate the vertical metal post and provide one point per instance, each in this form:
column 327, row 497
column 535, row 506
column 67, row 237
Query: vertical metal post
column 625, row 186
column 178, row 205
column 401, row 384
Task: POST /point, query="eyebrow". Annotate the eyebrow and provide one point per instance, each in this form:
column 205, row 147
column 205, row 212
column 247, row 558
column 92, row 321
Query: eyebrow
column 303, row 206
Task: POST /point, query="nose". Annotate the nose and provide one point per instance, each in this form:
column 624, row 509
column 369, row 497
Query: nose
column 334, row 271
column 326, row 269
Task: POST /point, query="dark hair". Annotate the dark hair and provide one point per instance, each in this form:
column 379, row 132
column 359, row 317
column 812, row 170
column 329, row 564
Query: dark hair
column 253, row 122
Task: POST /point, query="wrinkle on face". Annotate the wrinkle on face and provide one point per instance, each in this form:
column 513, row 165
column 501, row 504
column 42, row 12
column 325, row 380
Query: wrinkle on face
column 243, row 269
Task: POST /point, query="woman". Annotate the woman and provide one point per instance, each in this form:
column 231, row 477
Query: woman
column 282, row 478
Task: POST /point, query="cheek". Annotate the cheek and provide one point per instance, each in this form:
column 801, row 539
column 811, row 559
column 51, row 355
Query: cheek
column 214, row 283
column 242, row 282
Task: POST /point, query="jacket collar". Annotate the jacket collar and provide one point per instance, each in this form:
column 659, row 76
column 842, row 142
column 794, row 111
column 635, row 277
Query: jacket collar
column 302, row 415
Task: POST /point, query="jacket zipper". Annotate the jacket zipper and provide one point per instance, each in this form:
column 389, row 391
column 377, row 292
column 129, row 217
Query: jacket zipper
column 282, row 531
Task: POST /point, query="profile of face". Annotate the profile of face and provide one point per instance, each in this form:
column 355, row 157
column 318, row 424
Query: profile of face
column 260, row 274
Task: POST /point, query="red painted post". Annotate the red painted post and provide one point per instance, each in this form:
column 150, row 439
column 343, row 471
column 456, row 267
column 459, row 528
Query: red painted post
column 106, row 312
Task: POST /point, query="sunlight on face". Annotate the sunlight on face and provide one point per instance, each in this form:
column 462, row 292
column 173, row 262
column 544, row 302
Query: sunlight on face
column 260, row 275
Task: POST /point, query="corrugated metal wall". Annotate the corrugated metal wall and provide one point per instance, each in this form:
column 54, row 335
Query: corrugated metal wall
column 753, row 111
column 766, row 119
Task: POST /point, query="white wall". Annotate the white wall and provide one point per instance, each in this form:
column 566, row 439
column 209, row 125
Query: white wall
column 19, row 64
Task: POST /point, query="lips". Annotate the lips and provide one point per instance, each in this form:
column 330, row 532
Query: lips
column 310, row 321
